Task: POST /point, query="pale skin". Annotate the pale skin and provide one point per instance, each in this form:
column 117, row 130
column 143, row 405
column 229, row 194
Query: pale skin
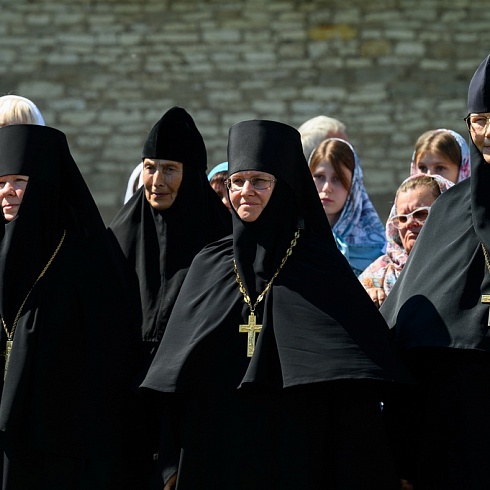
column 332, row 193
column 12, row 189
column 250, row 202
column 220, row 189
column 433, row 163
column 406, row 202
column 161, row 180
column 171, row 483
column 482, row 141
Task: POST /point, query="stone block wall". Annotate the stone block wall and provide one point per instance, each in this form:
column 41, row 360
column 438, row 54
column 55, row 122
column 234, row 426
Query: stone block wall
column 104, row 71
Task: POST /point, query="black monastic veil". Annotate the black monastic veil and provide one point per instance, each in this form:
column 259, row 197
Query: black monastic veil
column 287, row 417
column 66, row 393
column 158, row 246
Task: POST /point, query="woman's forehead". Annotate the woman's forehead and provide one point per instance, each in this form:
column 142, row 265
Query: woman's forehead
column 252, row 173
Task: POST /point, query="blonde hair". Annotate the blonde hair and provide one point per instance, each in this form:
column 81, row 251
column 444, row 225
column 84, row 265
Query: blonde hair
column 15, row 109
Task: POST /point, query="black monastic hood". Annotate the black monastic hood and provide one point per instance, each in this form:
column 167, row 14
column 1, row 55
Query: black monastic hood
column 310, row 330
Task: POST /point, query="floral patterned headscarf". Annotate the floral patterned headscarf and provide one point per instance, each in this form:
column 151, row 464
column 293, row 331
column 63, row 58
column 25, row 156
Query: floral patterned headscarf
column 384, row 272
column 465, row 164
column 359, row 224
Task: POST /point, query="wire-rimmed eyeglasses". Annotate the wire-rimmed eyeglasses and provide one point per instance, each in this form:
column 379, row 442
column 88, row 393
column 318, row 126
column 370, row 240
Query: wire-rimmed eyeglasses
column 477, row 123
column 418, row 215
column 258, row 183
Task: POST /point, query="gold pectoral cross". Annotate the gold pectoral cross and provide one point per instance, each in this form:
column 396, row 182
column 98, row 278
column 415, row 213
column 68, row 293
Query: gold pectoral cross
column 8, row 348
column 251, row 328
column 485, row 298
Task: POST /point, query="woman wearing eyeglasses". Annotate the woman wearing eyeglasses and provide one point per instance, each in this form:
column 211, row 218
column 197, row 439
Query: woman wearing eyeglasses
column 273, row 349
column 411, row 208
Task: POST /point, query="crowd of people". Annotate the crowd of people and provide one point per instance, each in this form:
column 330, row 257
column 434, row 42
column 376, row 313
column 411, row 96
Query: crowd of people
column 251, row 327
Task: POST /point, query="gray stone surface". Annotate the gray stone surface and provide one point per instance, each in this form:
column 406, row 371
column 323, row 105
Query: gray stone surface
column 104, row 72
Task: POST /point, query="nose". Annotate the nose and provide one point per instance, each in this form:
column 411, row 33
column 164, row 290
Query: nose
column 413, row 223
column 487, row 129
column 8, row 189
column 158, row 178
column 327, row 187
column 248, row 188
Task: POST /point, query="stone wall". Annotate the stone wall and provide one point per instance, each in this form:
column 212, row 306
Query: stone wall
column 104, row 71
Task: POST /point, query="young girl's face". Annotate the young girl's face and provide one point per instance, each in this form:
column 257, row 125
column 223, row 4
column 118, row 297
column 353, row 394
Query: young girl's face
column 330, row 189
column 433, row 163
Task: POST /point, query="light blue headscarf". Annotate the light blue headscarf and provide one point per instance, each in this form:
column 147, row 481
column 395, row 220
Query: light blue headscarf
column 221, row 167
column 359, row 233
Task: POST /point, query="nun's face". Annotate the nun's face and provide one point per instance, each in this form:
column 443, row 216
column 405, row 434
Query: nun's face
column 250, row 192
column 12, row 188
column 161, row 179
column 480, row 132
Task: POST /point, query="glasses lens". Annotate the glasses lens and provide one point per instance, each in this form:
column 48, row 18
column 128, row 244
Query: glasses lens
column 478, row 123
column 235, row 184
column 421, row 214
column 260, row 183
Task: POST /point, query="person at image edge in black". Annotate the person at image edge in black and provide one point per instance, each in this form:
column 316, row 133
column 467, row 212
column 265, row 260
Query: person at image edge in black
column 64, row 411
column 439, row 310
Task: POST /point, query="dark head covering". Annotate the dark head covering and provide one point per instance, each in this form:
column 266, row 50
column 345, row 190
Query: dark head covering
column 54, row 180
column 436, row 300
column 158, row 247
column 479, row 89
column 70, row 364
column 311, row 331
column 176, row 137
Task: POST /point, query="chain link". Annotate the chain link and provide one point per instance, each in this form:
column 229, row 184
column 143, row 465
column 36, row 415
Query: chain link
column 10, row 334
column 246, row 297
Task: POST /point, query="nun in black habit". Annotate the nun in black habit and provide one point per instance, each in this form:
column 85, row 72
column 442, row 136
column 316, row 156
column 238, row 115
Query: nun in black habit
column 158, row 240
column 65, row 325
column 295, row 405
column 156, row 236
column 439, row 310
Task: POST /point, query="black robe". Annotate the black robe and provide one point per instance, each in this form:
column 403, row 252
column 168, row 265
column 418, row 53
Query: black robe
column 156, row 248
column 303, row 412
column 441, row 427
column 65, row 420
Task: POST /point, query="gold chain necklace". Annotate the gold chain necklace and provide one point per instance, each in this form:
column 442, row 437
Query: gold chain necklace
column 10, row 335
column 485, row 298
column 251, row 328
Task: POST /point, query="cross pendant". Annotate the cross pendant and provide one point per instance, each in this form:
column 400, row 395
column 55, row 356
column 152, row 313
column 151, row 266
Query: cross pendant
column 485, row 298
column 8, row 348
column 251, row 328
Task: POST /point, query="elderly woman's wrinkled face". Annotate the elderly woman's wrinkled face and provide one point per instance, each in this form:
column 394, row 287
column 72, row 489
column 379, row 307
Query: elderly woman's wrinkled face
column 161, row 180
column 12, row 188
column 406, row 202
column 250, row 192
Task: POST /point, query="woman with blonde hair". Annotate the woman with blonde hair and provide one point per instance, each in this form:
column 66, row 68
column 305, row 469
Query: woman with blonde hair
column 15, row 109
